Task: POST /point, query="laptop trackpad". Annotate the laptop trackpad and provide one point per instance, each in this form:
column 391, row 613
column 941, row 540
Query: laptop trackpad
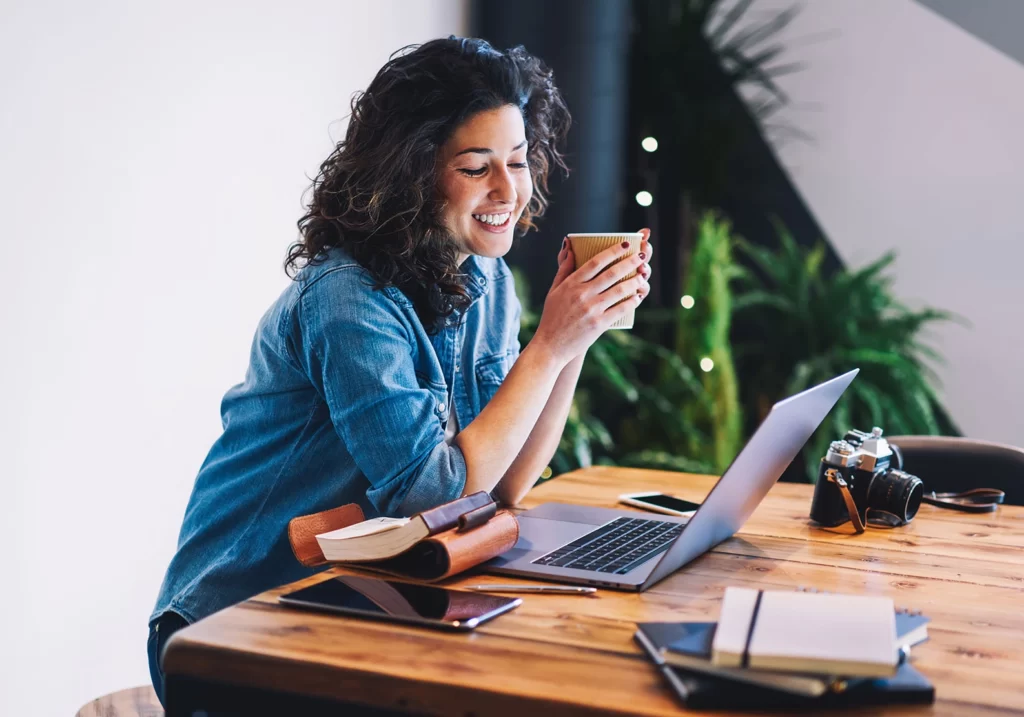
column 538, row 534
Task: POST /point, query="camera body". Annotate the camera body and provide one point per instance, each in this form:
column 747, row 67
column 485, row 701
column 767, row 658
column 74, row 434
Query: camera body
column 871, row 470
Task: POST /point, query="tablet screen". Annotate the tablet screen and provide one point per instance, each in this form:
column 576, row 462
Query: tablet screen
column 401, row 602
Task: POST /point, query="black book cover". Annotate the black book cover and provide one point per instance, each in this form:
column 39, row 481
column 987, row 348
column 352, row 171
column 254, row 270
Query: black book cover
column 687, row 646
column 711, row 692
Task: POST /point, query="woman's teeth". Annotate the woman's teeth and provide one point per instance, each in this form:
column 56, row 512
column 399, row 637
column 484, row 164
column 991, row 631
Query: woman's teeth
column 495, row 220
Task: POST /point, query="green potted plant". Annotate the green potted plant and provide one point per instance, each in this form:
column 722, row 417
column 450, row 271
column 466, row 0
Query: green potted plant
column 702, row 340
column 626, row 408
column 798, row 324
column 639, row 403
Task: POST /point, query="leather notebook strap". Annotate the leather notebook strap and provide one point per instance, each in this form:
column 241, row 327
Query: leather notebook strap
column 302, row 531
column 445, row 517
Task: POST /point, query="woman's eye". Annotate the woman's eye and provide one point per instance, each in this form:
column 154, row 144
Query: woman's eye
column 519, row 165
column 474, row 172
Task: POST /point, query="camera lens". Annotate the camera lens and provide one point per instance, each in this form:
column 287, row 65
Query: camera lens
column 896, row 492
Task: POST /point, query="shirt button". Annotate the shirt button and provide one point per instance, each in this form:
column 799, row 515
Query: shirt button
column 440, row 406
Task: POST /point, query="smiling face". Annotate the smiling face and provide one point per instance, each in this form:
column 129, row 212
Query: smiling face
column 485, row 180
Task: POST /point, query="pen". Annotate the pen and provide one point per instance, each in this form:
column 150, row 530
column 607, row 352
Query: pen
column 681, row 689
column 531, row 589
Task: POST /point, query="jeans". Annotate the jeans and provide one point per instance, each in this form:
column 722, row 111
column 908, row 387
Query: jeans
column 159, row 633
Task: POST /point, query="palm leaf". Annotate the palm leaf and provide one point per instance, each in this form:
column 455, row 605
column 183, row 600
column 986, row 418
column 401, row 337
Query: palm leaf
column 611, row 372
column 728, row 21
column 581, row 448
column 818, row 325
column 762, row 299
column 664, row 461
column 868, row 395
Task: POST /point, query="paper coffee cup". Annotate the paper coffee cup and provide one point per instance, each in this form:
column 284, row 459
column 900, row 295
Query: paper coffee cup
column 586, row 246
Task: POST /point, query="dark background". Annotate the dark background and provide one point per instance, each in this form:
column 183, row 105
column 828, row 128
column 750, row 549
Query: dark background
column 671, row 69
column 597, row 51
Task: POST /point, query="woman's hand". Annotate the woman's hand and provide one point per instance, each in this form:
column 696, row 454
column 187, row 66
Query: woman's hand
column 582, row 303
column 566, row 253
column 646, row 249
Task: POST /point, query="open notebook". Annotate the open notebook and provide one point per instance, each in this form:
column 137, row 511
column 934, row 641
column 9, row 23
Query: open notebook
column 431, row 545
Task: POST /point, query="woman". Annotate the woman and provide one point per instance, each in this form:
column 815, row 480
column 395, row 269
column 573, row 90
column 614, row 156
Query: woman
column 389, row 373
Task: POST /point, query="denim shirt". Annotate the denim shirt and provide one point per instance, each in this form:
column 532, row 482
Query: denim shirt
column 345, row 400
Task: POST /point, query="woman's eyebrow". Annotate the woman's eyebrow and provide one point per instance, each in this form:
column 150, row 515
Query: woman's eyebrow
column 486, row 150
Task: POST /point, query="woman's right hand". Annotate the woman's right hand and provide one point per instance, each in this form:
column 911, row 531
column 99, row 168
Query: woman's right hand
column 582, row 304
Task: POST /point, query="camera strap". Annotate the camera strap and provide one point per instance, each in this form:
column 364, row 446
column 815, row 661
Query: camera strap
column 875, row 518
column 832, row 476
column 977, row 500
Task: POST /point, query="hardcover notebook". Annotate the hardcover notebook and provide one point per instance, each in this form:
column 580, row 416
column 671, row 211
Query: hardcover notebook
column 718, row 692
column 687, row 645
column 784, row 631
column 431, row 545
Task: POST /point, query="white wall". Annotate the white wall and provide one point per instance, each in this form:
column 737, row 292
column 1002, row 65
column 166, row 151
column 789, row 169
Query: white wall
column 918, row 146
column 152, row 161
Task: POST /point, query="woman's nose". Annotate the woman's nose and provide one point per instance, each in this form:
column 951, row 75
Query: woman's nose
column 503, row 189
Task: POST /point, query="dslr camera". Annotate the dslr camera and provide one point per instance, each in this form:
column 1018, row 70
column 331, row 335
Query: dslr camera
column 861, row 479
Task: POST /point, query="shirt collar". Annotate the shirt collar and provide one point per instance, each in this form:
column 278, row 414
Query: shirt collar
column 477, row 282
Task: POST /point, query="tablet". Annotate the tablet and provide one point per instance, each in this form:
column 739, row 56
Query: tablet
column 379, row 599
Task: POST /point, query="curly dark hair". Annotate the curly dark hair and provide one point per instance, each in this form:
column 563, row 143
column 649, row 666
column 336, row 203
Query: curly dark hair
column 376, row 193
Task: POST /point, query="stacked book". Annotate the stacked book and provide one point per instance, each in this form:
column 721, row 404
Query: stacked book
column 773, row 649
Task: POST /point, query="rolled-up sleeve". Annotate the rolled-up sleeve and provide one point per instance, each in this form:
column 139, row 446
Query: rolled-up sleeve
column 358, row 349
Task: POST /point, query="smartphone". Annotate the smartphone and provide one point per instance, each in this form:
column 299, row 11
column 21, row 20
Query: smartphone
column 660, row 503
column 395, row 601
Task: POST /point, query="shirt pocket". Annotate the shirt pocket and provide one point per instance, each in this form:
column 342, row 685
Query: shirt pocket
column 490, row 373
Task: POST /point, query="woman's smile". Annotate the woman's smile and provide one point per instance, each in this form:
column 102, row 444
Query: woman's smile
column 496, row 223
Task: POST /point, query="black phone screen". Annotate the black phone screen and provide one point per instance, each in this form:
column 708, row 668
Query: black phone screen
column 667, row 501
column 401, row 602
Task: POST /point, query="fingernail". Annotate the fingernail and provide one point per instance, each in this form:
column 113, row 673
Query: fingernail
column 643, row 255
column 625, row 245
column 565, row 243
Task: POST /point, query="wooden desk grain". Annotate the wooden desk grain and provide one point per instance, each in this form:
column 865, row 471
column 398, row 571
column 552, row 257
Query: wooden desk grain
column 574, row 655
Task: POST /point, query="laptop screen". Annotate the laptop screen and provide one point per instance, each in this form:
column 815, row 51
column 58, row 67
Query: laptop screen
column 750, row 476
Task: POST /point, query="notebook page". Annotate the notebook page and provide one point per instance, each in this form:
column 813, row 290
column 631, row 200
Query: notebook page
column 367, row 527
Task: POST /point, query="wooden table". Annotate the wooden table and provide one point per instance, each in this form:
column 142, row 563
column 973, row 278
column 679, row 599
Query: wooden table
column 574, row 655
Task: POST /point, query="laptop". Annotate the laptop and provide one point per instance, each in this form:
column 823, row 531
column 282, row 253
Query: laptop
column 626, row 550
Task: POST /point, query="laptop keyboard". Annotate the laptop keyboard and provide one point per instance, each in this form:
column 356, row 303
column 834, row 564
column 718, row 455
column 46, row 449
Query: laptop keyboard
column 616, row 547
